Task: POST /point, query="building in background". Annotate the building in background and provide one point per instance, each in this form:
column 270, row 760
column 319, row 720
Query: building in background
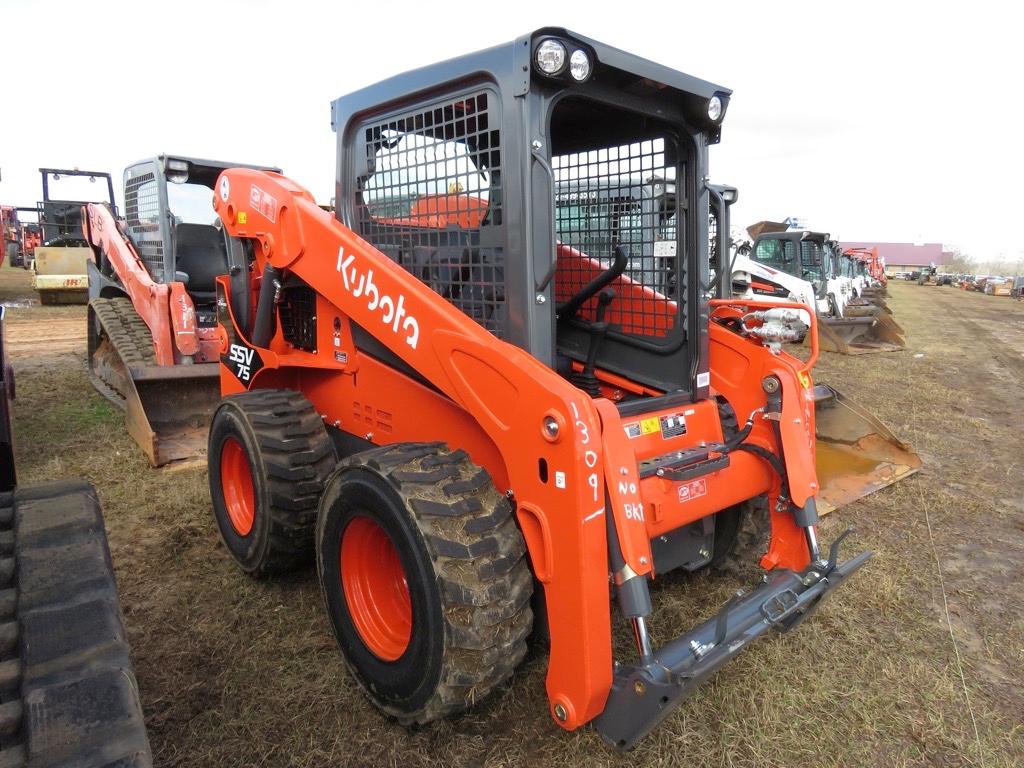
column 903, row 257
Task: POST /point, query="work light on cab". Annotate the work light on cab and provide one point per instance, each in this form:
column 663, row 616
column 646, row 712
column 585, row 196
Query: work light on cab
column 551, row 57
column 579, row 65
column 715, row 109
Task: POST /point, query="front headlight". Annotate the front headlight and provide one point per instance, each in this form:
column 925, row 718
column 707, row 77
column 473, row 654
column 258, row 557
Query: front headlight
column 579, row 65
column 714, row 109
column 550, row 57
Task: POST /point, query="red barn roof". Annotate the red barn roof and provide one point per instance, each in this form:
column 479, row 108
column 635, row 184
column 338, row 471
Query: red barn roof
column 903, row 253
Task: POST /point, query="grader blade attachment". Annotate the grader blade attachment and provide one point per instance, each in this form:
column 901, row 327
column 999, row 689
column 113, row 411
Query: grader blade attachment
column 860, row 335
column 167, row 408
column 856, row 453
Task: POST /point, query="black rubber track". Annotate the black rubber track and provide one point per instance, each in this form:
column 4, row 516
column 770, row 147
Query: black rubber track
column 127, row 331
column 295, row 458
column 70, row 697
column 478, row 558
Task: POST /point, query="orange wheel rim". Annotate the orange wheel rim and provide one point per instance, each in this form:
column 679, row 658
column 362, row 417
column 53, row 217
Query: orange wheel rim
column 376, row 589
column 236, row 483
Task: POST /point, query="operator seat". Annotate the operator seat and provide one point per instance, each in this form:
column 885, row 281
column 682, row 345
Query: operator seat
column 201, row 253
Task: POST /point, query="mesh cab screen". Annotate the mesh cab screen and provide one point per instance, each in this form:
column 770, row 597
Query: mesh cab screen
column 142, row 215
column 621, row 196
column 432, row 201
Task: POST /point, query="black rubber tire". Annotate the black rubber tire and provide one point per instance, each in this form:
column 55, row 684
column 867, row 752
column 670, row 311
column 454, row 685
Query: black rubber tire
column 742, row 531
column 290, row 458
column 465, row 566
column 742, row 535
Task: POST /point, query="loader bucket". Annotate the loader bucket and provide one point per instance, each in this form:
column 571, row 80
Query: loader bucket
column 856, row 453
column 761, row 227
column 167, row 408
column 871, row 310
column 868, row 301
column 875, row 332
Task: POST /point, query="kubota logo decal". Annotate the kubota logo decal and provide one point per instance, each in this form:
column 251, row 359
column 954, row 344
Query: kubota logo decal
column 392, row 311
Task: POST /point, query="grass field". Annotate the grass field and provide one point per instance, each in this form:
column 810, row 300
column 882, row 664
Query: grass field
column 918, row 662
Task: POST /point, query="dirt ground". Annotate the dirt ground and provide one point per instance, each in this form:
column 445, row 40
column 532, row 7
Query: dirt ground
column 234, row 672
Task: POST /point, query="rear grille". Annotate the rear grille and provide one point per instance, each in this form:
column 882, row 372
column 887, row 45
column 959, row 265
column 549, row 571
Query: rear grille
column 297, row 311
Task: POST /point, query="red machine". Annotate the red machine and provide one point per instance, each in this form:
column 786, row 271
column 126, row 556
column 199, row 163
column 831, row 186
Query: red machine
column 152, row 335
column 455, row 411
column 875, row 263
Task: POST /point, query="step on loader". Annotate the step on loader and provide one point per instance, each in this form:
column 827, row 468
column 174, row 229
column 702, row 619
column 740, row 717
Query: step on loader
column 152, row 338
column 474, row 426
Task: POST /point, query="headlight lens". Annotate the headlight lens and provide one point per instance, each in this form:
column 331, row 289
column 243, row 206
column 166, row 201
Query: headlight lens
column 579, row 65
column 714, row 108
column 550, row 57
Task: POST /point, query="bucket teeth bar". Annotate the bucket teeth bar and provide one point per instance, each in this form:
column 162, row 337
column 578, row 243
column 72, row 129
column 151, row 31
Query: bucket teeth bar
column 643, row 695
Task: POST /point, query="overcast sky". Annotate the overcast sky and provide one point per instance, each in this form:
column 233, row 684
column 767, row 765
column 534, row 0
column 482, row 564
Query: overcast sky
column 880, row 122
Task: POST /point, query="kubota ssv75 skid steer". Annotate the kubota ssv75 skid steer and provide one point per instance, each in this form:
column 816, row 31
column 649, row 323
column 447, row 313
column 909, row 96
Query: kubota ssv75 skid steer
column 152, row 337
column 456, row 411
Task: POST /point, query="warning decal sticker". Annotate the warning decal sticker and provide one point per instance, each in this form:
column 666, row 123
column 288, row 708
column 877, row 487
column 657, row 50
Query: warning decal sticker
column 693, row 490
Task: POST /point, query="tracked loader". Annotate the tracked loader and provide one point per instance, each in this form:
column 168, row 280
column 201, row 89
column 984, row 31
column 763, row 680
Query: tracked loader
column 152, row 337
column 70, row 697
column 453, row 413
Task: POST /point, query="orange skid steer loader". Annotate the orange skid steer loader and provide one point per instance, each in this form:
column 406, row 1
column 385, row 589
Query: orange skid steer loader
column 454, row 413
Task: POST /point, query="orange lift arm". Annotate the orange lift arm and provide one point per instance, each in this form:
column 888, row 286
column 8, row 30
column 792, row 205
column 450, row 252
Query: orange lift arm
column 166, row 308
column 527, row 409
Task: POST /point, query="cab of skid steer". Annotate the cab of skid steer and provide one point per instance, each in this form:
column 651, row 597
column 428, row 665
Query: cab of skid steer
column 801, row 254
column 574, row 151
column 171, row 223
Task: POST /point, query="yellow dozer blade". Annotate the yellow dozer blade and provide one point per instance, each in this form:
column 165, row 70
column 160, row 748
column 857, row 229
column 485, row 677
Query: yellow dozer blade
column 167, row 408
column 856, row 453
